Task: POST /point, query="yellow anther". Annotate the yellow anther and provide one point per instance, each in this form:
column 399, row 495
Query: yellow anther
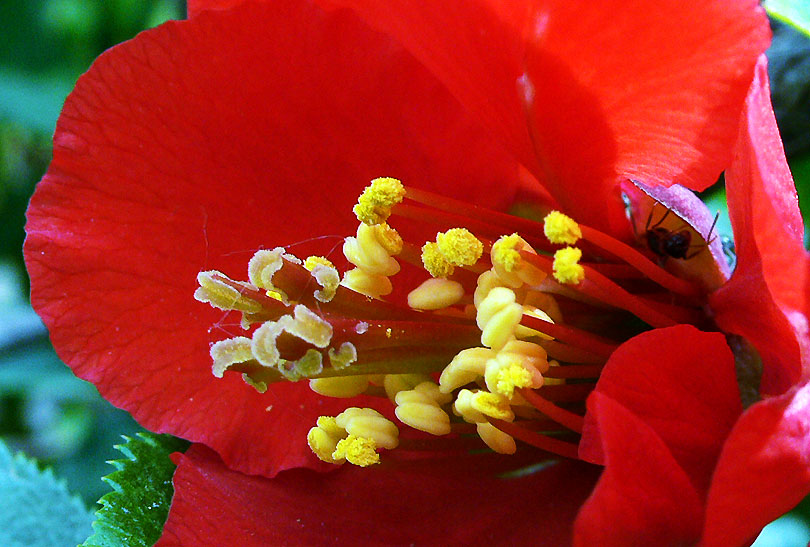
column 367, row 253
column 360, row 451
column 431, row 389
column 374, row 286
column 492, row 405
column 340, row 386
column 389, row 238
column 258, row 385
column 322, row 445
column 313, row 261
column 466, row 367
column 310, row 327
column 506, row 252
column 394, row 383
column 463, row 407
column 459, row 246
column 508, row 371
column 560, row 228
column 419, row 408
column 226, row 353
column 263, row 266
column 324, row 437
column 497, row 440
column 330, row 426
column 531, row 355
column 368, row 423
column 435, row 262
column 435, row 294
column 329, row 279
column 509, row 264
column 498, row 316
column 311, row 364
column 307, row 326
column 263, row 344
column 486, row 282
column 566, row 266
column 345, row 355
column 375, row 203
column 219, row 294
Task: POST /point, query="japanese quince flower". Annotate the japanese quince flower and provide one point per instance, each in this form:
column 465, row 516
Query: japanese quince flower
column 461, row 369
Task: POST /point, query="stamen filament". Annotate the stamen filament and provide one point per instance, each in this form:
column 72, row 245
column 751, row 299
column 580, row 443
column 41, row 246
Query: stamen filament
column 600, row 287
column 568, row 419
column 497, row 220
column 575, row 337
column 549, row 444
column 570, row 354
column 633, row 257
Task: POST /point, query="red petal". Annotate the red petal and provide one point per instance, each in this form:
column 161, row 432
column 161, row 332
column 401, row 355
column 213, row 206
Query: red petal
column 680, row 383
column 189, row 148
column 764, row 470
column 766, row 299
column 620, row 89
column 643, row 497
column 449, row 502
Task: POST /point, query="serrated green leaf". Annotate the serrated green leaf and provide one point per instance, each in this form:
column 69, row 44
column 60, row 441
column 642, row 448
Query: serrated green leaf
column 133, row 514
column 793, row 12
column 36, row 509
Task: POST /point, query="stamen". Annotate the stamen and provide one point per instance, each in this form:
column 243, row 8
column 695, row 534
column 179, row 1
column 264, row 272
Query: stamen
column 649, row 268
column 591, row 343
column 352, row 435
column 435, row 294
column 375, row 203
column 496, row 439
column 465, row 368
column 561, row 229
column 509, row 265
column 342, row 387
column 566, row 266
column 360, row 451
column 598, row 286
column 419, row 408
column 435, row 262
column 459, row 247
column 498, row 315
column 326, row 275
column 549, row 444
column 214, row 291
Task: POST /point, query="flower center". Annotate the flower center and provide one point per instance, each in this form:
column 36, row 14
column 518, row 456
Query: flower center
column 505, row 337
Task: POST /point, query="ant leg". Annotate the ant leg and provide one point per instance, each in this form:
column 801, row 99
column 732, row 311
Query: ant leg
column 706, row 243
column 660, row 220
column 709, row 238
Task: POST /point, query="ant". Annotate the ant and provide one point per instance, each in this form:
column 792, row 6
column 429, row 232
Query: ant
column 668, row 243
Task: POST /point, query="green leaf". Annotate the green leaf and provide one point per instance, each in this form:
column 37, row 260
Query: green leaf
column 36, row 509
column 793, row 12
column 133, row 514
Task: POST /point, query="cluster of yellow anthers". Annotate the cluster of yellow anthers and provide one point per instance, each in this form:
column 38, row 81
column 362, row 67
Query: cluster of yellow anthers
column 353, row 435
column 502, row 296
column 479, row 385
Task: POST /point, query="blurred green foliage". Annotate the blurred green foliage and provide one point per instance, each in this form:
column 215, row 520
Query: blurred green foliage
column 45, row 410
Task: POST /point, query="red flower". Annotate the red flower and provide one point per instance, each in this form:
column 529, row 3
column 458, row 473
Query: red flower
column 199, row 142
